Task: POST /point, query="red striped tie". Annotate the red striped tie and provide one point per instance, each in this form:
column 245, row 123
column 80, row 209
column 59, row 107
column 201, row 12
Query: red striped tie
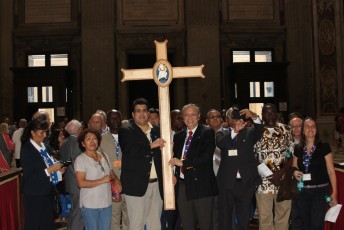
column 187, row 145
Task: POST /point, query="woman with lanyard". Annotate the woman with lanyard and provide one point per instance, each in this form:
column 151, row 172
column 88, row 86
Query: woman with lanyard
column 40, row 175
column 315, row 172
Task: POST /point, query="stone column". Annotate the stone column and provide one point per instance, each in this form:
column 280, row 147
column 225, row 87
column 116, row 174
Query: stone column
column 299, row 37
column 328, row 64
column 202, row 39
column 6, row 57
column 98, row 60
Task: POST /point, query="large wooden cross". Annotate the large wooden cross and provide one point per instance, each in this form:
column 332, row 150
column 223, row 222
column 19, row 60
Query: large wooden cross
column 162, row 73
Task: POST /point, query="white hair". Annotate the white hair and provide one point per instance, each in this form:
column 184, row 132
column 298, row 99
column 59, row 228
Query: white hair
column 73, row 127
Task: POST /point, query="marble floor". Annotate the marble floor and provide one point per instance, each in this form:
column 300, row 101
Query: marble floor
column 62, row 225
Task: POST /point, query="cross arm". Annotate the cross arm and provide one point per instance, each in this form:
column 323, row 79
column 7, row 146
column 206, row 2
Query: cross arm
column 189, row 71
column 136, row 74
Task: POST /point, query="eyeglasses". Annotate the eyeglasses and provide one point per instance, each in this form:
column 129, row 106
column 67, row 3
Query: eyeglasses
column 213, row 117
column 296, row 126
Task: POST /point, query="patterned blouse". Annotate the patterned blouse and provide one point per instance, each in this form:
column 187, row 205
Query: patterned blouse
column 271, row 150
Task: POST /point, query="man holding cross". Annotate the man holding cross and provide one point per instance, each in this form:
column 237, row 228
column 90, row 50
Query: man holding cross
column 163, row 73
column 142, row 168
column 193, row 155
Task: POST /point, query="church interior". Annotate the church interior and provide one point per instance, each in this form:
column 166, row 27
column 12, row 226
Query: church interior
column 66, row 56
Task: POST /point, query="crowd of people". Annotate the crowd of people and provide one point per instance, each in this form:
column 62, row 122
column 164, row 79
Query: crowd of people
column 115, row 176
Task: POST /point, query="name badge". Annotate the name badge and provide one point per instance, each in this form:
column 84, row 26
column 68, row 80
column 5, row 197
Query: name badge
column 232, row 152
column 238, row 175
column 306, row 177
column 117, row 164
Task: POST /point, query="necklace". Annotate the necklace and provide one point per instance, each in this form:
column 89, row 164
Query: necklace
column 97, row 159
column 95, row 156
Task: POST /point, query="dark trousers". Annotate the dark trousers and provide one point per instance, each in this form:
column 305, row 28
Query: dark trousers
column 169, row 217
column 18, row 163
column 312, row 207
column 193, row 211
column 75, row 221
column 295, row 218
column 38, row 212
column 216, row 213
column 240, row 198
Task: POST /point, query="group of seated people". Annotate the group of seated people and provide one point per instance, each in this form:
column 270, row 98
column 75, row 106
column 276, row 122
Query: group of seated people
column 115, row 178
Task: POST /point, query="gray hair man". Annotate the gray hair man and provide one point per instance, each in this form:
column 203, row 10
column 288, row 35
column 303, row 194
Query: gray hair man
column 69, row 152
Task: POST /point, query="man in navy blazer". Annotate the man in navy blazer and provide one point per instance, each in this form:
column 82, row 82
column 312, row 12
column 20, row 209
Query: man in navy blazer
column 193, row 156
column 238, row 174
column 141, row 175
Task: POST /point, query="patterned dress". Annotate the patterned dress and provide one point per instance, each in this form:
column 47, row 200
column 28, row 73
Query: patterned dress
column 271, row 150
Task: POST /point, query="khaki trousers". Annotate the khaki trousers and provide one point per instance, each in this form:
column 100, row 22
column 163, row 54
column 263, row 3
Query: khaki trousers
column 119, row 211
column 145, row 210
column 267, row 204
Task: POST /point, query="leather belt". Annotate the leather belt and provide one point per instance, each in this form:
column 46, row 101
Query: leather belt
column 316, row 186
column 181, row 179
column 153, row 180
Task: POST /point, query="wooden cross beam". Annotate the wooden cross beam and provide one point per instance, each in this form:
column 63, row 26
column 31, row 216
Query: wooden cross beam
column 163, row 73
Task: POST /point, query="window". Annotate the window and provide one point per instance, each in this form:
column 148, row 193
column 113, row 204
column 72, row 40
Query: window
column 254, row 89
column 47, row 94
column 32, row 94
column 59, row 59
column 39, row 60
column 269, row 89
column 45, row 91
column 256, row 108
column 262, row 56
column 50, row 111
column 240, row 56
column 36, row 60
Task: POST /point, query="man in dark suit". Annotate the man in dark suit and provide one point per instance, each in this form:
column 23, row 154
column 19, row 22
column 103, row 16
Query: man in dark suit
column 193, row 155
column 69, row 152
column 238, row 173
column 141, row 175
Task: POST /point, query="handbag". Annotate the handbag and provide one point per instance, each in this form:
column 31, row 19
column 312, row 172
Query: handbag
column 287, row 189
column 57, row 202
column 116, row 197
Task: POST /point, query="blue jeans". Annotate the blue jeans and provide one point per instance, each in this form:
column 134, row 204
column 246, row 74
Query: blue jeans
column 97, row 218
column 312, row 207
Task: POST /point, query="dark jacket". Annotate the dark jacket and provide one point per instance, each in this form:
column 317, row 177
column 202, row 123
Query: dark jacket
column 69, row 152
column 136, row 159
column 245, row 161
column 35, row 181
column 199, row 178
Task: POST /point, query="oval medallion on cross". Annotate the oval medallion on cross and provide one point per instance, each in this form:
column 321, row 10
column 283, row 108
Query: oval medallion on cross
column 162, row 73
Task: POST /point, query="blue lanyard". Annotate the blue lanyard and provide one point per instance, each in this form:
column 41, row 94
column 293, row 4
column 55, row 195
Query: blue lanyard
column 117, row 150
column 44, row 154
column 307, row 157
column 117, row 146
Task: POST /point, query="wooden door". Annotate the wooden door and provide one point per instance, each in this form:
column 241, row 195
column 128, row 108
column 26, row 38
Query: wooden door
column 43, row 87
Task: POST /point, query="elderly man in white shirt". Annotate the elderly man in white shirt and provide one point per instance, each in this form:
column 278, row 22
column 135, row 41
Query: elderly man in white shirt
column 16, row 140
